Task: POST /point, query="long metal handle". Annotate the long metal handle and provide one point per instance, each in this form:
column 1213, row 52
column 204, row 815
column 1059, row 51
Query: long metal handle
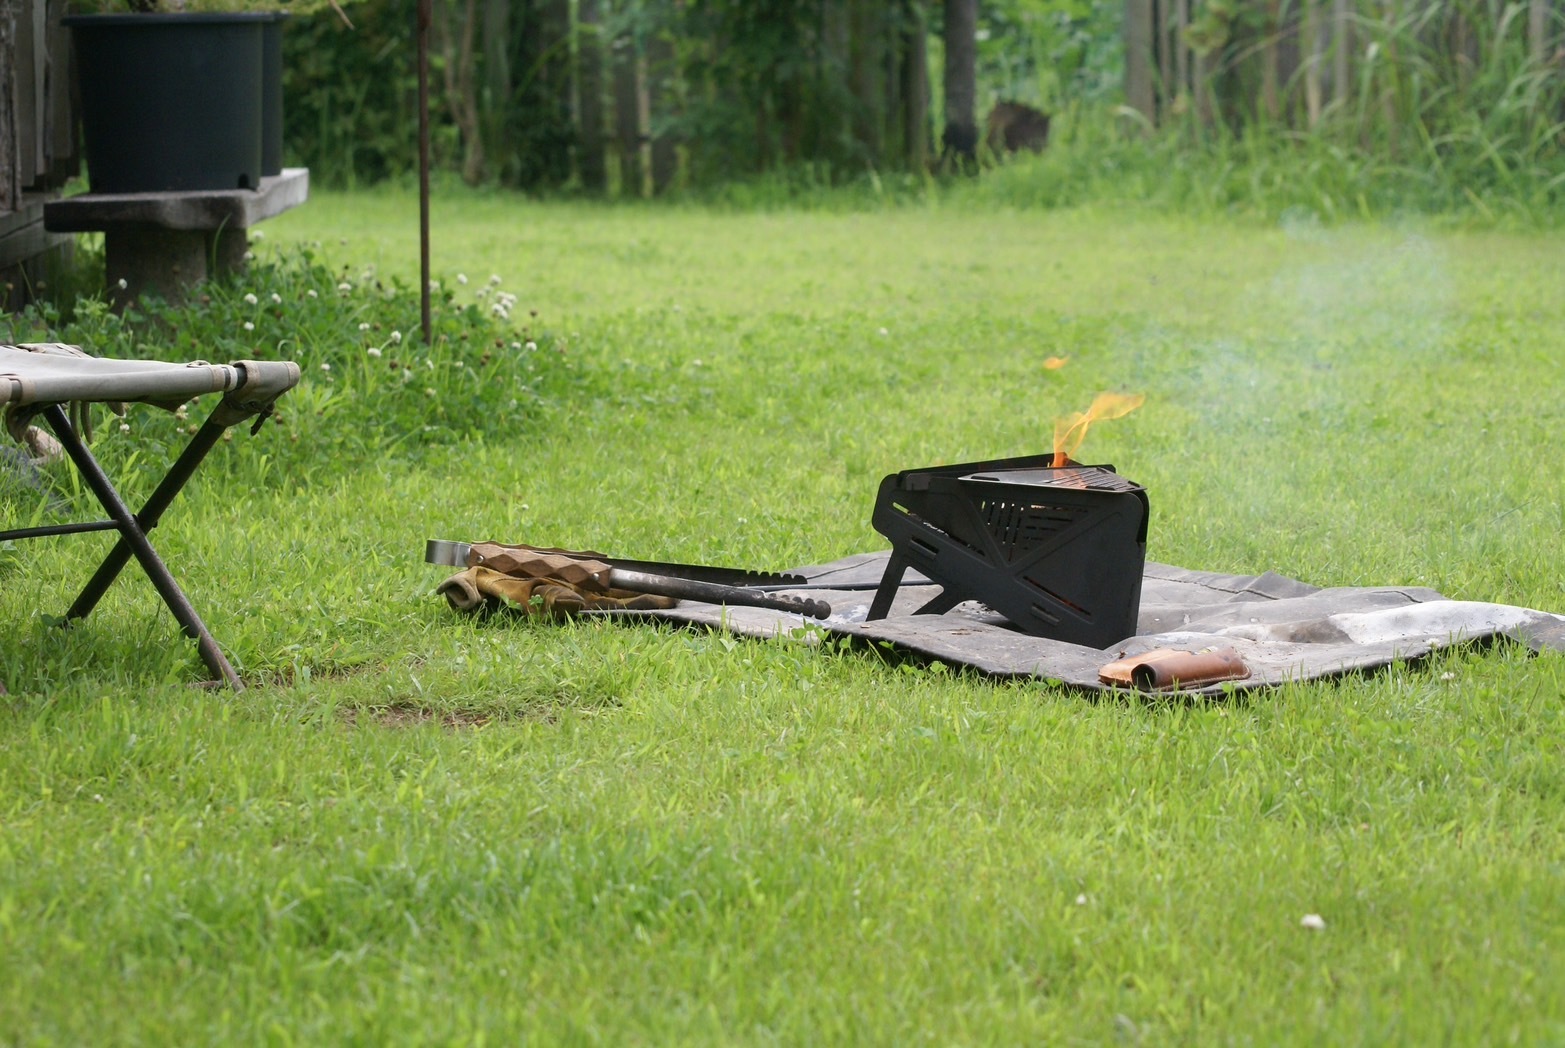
column 445, row 551
column 714, row 593
column 454, row 554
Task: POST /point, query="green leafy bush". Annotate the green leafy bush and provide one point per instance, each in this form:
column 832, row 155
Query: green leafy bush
column 371, row 388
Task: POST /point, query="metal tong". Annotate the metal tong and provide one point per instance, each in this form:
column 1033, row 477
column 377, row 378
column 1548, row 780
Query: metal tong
column 591, row 570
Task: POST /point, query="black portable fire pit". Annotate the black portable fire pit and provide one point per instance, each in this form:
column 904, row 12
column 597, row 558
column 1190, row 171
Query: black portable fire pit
column 1058, row 550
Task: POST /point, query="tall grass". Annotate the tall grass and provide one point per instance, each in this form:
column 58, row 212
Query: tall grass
column 1446, row 109
column 1447, row 113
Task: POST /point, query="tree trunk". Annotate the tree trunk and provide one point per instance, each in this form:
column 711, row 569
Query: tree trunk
column 454, row 31
column 662, row 100
column 497, row 77
column 960, row 138
column 1271, row 101
column 1341, row 50
column 1205, row 104
column 590, row 162
column 1390, row 72
column 866, row 64
column 915, row 89
column 1312, row 60
column 629, row 130
column 1165, row 87
column 554, row 72
column 1138, row 58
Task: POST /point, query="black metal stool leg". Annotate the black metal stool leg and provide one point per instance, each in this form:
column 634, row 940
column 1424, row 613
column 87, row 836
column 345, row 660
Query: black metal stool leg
column 133, row 538
column 179, row 473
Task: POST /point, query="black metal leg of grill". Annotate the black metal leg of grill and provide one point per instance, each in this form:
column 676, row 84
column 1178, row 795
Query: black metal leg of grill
column 133, row 538
column 943, row 602
column 896, row 567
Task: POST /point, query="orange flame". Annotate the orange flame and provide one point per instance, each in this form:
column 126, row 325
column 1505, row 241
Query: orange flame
column 1071, row 430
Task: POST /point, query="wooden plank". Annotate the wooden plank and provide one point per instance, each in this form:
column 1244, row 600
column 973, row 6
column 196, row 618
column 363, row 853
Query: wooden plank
column 24, row 87
column 10, row 189
column 64, row 150
column 22, row 232
column 40, row 108
column 202, row 211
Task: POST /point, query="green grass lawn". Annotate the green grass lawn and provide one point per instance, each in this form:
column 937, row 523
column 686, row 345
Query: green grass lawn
column 415, row 828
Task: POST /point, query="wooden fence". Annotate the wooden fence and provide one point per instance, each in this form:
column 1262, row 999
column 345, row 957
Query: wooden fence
column 38, row 150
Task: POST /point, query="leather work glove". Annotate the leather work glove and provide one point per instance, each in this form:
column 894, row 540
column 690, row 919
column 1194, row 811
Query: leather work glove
column 484, row 589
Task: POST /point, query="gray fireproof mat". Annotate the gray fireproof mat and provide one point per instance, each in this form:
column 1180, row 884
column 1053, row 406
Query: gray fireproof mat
column 1285, row 630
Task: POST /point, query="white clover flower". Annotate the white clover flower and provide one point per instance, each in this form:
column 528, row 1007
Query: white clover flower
column 277, row 299
column 373, row 351
column 434, row 285
column 325, row 366
column 494, row 279
column 883, row 331
column 461, row 278
column 518, row 345
column 251, row 300
column 481, row 293
column 429, row 391
column 531, row 347
column 312, row 293
column 258, row 235
column 249, row 326
column 345, row 287
column 459, row 363
column 364, row 326
column 1313, row 921
column 248, row 256
column 499, row 310
column 1081, row 900
column 121, row 283
column 124, row 427
column 396, row 338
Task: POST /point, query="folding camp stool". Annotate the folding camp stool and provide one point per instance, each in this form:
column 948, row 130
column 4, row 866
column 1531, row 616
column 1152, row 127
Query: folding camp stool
column 37, row 380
